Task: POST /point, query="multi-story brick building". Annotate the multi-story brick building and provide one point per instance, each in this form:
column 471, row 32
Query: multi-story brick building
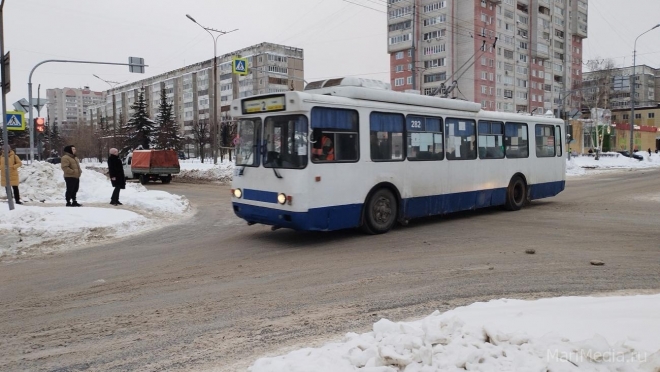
column 509, row 55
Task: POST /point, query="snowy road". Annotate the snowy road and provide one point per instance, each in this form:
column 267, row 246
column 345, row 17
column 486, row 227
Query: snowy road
column 213, row 293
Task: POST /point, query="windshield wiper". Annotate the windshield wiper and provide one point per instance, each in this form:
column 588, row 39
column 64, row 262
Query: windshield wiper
column 240, row 173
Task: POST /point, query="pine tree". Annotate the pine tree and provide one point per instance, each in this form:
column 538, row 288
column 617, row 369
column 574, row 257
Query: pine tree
column 140, row 128
column 55, row 140
column 167, row 136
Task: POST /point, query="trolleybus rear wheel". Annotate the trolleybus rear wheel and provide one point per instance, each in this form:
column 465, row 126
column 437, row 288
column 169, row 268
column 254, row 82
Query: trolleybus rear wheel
column 516, row 194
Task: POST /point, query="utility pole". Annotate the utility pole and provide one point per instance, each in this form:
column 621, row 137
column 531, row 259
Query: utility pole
column 214, row 110
column 113, row 85
column 412, row 50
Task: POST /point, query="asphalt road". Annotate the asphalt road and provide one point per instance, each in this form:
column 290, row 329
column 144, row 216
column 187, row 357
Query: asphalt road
column 212, row 293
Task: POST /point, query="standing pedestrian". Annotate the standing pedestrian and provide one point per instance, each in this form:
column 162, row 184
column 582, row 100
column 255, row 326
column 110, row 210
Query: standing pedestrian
column 72, row 171
column 14, row 164
column 116, row 170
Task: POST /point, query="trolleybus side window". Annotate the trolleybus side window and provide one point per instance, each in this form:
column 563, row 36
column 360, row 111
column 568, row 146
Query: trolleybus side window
column 545, row 140
column 491, row 139
column 424, row 136
column 558, row 140
column 334, row 135
column 386, row 136
column 285, row 142
column 247, row 142
column 461, row 140
column 515, row 140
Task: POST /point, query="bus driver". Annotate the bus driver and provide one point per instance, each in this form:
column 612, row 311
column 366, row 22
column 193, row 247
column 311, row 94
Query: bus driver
column 323, row 150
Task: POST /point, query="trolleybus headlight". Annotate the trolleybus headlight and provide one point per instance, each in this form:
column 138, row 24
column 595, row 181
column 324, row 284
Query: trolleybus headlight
column 281, row 198
column 237, row 193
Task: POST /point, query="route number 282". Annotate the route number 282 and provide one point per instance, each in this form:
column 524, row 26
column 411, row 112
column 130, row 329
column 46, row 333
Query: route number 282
column 416, row 124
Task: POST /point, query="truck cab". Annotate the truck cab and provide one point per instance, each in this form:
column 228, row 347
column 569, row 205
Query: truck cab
column 126, row 163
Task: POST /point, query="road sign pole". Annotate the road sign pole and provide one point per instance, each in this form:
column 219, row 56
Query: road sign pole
column 30, row 123
column 5, row 136
column 135, row 64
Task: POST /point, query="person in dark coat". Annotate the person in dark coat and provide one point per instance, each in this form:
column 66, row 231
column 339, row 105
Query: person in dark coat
column 116, row 171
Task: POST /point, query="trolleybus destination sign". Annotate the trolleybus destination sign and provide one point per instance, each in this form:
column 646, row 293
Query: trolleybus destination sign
column 264, row 104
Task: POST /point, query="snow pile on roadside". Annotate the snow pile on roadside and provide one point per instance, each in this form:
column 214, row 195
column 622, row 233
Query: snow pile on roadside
column 32, row 230
column 44, row 225
column 193, row 170
column 558, row 334
column 577, row 165
column 44, row 182
column 221, row 172
column 572, row 169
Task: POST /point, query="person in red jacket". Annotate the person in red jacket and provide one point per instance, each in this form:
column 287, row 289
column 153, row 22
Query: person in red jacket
column 324, row 149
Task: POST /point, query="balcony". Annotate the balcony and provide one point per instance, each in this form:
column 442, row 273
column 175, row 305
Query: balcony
column 581, row 30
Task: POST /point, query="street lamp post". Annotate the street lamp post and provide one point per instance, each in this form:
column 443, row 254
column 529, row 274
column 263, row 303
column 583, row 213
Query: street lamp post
column 214, row 114
column 632, row 90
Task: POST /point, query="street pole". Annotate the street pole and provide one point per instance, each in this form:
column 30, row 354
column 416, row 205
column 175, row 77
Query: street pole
column 5, row 137
column 214, row 113
column 113, row 85
column 632, row 92
column 30, row 122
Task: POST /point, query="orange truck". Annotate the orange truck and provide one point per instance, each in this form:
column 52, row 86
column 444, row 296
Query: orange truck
column 151, row 165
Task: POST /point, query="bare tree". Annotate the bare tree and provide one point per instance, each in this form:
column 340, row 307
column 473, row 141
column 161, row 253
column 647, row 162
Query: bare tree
column 201, row 133
column 82, row 136
column 596, row 94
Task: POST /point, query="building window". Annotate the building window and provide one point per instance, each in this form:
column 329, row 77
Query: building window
column 651, row 115
column 398, row 82
column 399, row 55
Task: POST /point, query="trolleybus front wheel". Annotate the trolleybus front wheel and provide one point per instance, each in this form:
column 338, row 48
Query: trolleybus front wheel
column 516, row 194
column 380, row 212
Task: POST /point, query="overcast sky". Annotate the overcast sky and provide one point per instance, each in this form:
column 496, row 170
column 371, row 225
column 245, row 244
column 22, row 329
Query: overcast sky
column 338, row 38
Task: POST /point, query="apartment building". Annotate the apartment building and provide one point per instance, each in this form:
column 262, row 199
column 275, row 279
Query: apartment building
column 508, row 55
column 271, row 68
column 69, row 107
column 618, row 80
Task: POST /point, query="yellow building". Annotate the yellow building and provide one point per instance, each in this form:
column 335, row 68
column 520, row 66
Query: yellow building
column 616, row 138
column 646, row 118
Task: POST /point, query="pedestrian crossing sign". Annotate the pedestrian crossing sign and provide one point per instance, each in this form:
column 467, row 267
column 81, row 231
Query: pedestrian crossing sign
column 239, row 66
column 15, row 120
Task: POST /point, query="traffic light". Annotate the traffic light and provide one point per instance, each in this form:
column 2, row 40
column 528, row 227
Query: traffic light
column 39, row 124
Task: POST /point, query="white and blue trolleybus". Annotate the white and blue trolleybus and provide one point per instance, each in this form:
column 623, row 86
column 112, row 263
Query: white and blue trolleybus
column 350, row 152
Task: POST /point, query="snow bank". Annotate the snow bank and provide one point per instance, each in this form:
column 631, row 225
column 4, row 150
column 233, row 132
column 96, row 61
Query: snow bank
column 559, row 334
column 222, row 172
column 578, row 165
column 193, row 170
column 44, row 225
column 44, row 182
column 30, row 230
